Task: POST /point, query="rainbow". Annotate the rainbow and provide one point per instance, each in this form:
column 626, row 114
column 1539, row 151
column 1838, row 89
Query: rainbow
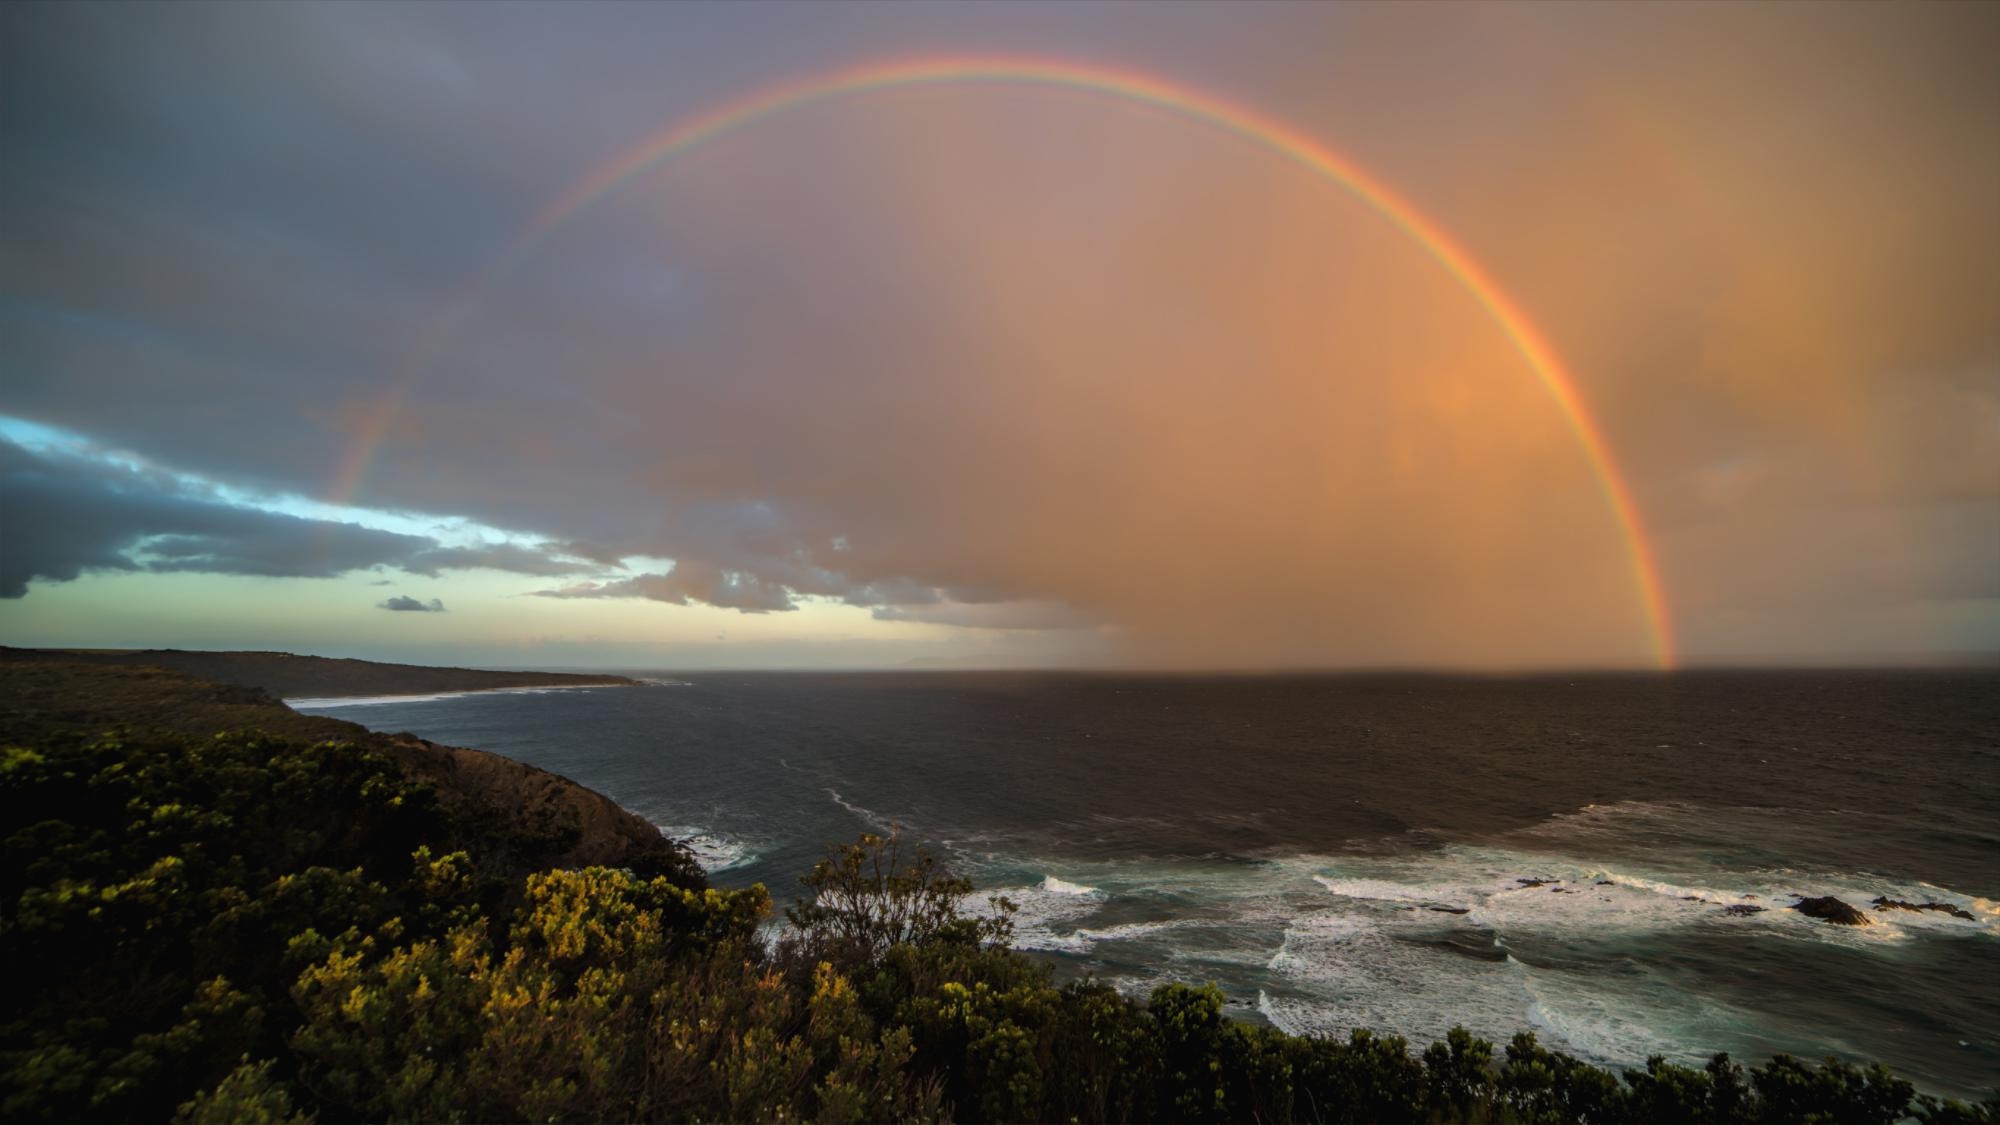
column 1266, row 132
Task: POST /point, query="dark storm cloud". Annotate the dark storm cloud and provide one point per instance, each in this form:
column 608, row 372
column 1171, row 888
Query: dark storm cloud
column 689, row 581
column 693, row 581
column 581, row 550
column 499, row 556
column 405, row 604
column 66, row 514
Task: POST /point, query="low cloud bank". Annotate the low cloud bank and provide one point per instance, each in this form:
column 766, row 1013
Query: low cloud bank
column 69, row 513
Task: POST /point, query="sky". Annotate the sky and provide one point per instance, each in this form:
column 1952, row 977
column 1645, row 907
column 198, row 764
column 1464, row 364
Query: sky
column 1624, row 336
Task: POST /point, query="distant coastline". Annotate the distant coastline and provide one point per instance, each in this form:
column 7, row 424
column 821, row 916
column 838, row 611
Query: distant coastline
column 318, row 679
column 428, row 696
column 539, row 819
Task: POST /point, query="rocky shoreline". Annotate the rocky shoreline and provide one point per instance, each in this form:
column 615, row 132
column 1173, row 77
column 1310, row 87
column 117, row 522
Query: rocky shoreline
column 1825, row 908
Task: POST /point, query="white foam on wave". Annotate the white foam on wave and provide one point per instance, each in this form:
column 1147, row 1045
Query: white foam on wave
column 873, row 819
column 1609, row 1028
column 712, row 851
column 339, row 701
column 1776, row 891
column 1676, row 891
column 1417, row 943
column 1044, row 917
column 1084, row 939
column 1490, row 890
column 1551, row 895
column 1383, row 890
column 1596, row 902
column 1129, row 931
column 1542, row 934
column 1418, row 974
column 1265, row 1009
column 1339, row 971
column 1674, row 828
column 1498, row 939
column 1223, row 914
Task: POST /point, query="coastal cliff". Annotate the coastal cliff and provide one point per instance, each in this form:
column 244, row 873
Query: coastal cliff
column 534, row 818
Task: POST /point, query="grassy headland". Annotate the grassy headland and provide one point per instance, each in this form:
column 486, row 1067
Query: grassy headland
column 288, row 676
column 218, row 909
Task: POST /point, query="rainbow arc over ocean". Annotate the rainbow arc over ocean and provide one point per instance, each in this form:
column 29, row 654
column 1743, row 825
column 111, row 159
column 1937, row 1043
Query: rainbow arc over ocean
column 1195, row 105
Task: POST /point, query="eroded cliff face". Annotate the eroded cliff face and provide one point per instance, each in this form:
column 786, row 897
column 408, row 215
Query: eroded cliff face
column 525, row 818
column 555, row 821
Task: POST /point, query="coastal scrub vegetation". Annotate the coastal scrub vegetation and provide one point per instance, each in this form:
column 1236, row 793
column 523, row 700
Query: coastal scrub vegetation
column 254, row 927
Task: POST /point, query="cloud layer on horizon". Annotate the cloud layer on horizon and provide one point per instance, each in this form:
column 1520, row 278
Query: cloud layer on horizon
column 68, row 514
column 1012, row 358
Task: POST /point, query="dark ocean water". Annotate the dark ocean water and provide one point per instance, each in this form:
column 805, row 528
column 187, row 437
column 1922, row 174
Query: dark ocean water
column 1341, row 851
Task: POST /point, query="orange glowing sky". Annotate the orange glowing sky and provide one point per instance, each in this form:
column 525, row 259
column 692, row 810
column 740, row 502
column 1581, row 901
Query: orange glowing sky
column 1275, row 336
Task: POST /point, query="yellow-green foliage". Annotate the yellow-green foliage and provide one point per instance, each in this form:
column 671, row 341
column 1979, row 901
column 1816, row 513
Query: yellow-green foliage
column 253, row 929
column 248, row 1096
column 617, row 998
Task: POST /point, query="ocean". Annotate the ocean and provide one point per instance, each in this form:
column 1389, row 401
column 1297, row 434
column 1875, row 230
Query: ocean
column 1572, row 855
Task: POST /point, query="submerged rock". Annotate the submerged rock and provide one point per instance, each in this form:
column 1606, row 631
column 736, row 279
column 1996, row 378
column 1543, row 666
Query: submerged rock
column 1742, row 908
column 1830, row 909
column 1536, row 882
column 1883, row 902
column 1450, row 909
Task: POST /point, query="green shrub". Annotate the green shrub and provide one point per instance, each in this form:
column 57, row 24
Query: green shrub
column 249, row 928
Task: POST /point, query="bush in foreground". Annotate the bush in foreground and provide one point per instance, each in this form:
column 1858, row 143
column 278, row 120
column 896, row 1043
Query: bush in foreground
column 254, row 929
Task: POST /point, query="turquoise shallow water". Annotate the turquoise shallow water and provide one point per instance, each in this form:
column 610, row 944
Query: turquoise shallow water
column 1404, row 853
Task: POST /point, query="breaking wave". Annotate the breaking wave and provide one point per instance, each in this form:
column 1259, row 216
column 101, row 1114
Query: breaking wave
column 712, row 851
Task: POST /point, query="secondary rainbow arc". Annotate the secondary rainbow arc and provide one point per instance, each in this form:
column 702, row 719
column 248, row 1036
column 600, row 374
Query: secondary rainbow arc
column 1251, row 125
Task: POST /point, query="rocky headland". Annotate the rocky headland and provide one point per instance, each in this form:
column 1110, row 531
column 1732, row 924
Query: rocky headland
column 289, row 676
column 535, row 819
